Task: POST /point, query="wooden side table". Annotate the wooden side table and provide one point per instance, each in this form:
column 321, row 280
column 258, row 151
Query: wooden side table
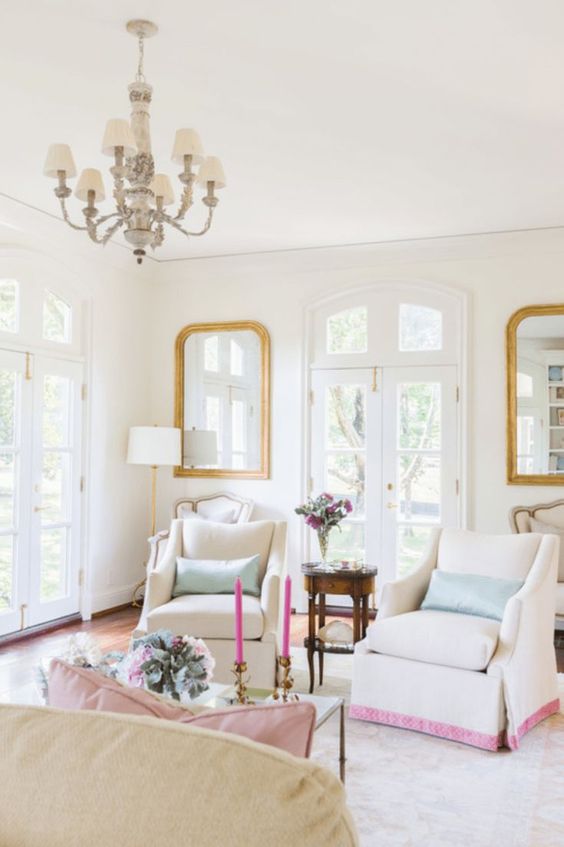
column 359, row 585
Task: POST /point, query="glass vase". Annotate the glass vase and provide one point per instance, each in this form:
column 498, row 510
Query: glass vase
column 323, row 540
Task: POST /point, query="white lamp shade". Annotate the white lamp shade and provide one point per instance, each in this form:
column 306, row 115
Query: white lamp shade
column 59, row 158
column 90, row 180
column 187, row 143
column 154, row 445
column 212, row 171
column 200, row 447
column 161, row 187
column 118, row 134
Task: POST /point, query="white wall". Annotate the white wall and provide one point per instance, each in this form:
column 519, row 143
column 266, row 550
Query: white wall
column 136, row 313
column 115, row 293
column 500, row 273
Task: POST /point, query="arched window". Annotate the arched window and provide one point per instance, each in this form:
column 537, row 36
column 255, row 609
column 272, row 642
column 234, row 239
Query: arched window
column 347, row 331
column 9, row 291
column 57, row 315
column 420, row 328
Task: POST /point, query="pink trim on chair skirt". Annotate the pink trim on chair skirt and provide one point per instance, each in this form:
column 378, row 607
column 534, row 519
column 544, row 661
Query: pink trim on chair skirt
column 441, row 730
column 454, row 733
column 544, row 712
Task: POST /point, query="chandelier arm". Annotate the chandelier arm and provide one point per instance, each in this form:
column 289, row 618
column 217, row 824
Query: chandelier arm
column 66, row 216
column 103, row 239
column 181, row 229
column 187, row 200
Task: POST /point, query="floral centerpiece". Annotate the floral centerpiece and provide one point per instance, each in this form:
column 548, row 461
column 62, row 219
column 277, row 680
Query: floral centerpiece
column 178, row 666
column 322, row 514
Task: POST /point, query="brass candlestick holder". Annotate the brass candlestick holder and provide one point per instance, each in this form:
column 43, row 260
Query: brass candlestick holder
column 284, row 690
column 238, row 671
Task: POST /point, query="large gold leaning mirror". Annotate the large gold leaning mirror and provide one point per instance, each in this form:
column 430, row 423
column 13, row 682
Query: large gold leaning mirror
column 222, row 402
column 535, row 396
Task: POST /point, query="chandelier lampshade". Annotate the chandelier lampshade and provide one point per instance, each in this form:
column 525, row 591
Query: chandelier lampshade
column 187, row 143
column 140, row 195
column 161, row 187
column 59, row 160
column 211, row 171
column 90, row 180
column 118, row 134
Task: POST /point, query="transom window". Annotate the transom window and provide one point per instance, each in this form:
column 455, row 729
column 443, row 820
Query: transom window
column 56, row 318
column 347, row 332
column 420, row 328
column 9, row 291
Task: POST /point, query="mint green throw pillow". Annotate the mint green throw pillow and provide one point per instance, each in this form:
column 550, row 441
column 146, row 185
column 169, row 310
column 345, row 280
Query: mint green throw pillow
column 206, row 576
column 469, row 594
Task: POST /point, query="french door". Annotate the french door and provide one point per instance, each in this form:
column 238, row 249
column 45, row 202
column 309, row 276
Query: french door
column 40, row 427
column 387, row 439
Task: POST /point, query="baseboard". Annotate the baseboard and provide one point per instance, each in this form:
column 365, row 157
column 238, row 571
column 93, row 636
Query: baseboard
column 117, row 597
column 40, row 629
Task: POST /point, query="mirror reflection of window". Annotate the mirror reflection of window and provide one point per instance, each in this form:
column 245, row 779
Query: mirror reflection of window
column 539, row 389
column 222, row 393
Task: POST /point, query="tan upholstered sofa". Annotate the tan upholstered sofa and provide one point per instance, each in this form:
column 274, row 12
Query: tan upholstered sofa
column 91, row 779
column 545, row 518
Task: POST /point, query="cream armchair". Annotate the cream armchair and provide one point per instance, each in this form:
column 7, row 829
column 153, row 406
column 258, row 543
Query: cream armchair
column 211, row 616
column 461, row 677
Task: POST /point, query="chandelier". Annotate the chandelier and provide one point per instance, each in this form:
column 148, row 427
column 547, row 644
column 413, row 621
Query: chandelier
column 140, row 195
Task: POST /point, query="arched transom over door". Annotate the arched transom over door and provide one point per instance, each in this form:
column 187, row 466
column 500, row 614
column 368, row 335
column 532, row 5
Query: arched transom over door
column 385, row 421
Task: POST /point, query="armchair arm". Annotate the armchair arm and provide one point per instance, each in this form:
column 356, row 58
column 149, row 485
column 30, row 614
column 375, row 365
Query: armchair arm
column 525, row 658
column 406, row 594
column 270, row 589
column 157, row 547
column 160, row 581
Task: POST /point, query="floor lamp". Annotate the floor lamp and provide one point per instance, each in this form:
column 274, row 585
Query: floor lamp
column 155, row 446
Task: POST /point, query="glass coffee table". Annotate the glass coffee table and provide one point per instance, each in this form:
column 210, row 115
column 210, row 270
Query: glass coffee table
column 219, row 696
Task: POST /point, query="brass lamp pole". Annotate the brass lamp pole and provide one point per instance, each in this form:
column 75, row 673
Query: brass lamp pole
column 155, row 446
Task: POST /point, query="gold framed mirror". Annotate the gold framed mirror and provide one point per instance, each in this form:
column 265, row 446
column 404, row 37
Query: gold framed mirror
column 222, row 399
column 535, row 396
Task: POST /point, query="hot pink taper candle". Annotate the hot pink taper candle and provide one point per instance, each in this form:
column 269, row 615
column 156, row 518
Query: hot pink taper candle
column 287, row 612
column 238, row 621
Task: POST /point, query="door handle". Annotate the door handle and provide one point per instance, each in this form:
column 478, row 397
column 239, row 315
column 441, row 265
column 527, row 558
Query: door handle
column 391, row 505
column 39, row 508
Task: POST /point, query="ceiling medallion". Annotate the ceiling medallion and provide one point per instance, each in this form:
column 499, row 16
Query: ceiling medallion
column 140, row 195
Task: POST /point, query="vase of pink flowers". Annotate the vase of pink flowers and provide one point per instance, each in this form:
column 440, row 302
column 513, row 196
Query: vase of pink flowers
column 323, row 514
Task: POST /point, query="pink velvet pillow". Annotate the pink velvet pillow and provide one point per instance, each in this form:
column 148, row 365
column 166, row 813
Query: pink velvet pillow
column 288, row 726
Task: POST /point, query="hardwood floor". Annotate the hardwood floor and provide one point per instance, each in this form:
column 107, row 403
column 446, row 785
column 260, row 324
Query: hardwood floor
column 19, row 659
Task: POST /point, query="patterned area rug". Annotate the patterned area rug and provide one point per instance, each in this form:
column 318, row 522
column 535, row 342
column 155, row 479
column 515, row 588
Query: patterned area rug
column 406, row 789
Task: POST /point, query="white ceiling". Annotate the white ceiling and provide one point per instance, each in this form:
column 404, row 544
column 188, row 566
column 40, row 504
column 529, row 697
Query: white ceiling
column 338, row 121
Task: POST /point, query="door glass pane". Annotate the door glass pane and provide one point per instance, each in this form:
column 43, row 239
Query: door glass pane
column 56, row 411
column 419, row 416
column 56, row 318
column 6, row 572
column 420, row 487
column 54, row 487
column 346, row 416
column 7, row 407
column 345, row 477
column 239, row 423
column 412, row 541
column 53, row 564
column 347, row 544
column 347, row 332
column 7, row 490
column 420, row 328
